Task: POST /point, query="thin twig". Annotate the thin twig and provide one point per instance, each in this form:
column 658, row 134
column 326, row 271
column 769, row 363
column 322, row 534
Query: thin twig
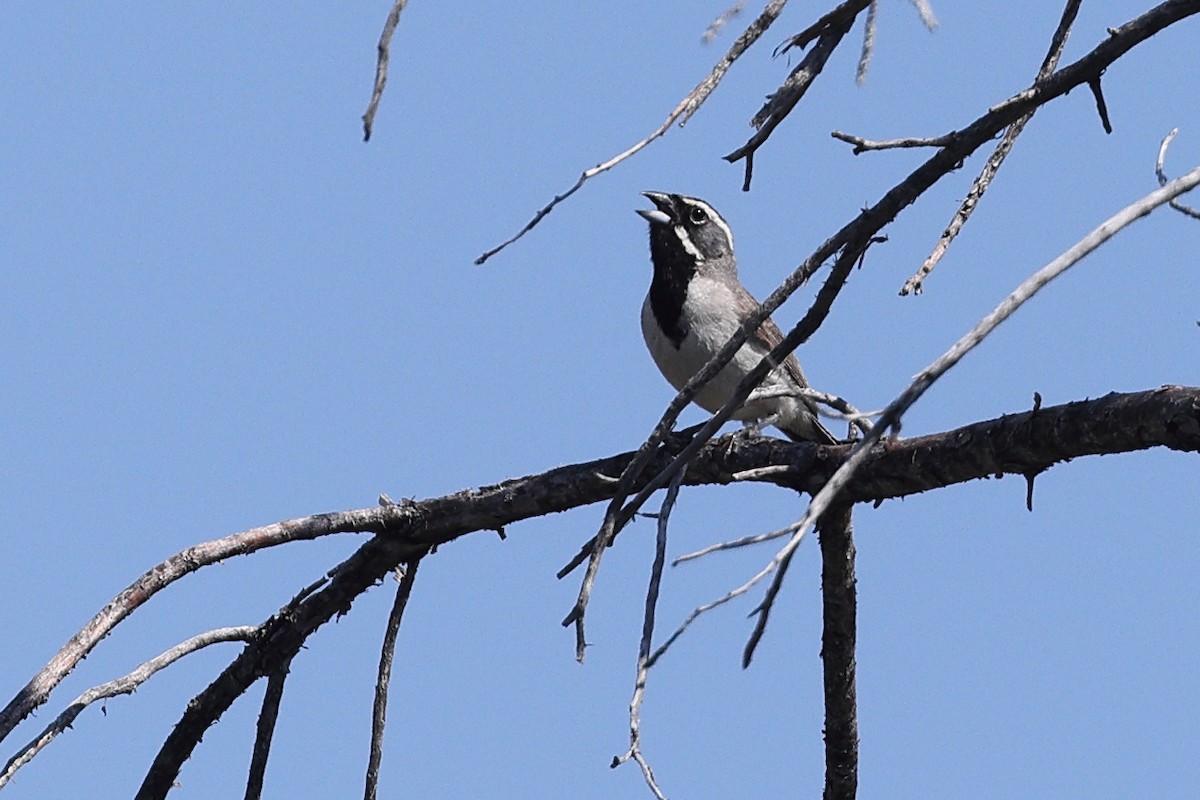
column 383, row 49
column 643, row 669
column 123, row 685
column 870, row 29
column 265, row 730
column 745, row 541
column 1097, row 90
column 386, row 656
column 697, row 612
column 720, row 22
column 1058, row 42
column 842, row 407
column 926, row 11
column 844, row 13
column 862, row 145
column 681, row 114
column 277, row 639
column 1162, row 176
column 926, row 378
column 781, row 102
column 852, row 240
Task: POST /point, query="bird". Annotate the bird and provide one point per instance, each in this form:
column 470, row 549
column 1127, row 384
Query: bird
column 695, row 304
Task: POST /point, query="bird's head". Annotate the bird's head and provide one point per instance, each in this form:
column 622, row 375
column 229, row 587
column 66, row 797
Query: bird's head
column 686, row 230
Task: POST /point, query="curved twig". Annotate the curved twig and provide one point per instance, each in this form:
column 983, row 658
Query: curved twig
column 1162, row 176
column 124, row 685
column 681, row 113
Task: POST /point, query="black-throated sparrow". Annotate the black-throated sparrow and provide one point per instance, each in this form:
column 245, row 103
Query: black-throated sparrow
column 695, row 304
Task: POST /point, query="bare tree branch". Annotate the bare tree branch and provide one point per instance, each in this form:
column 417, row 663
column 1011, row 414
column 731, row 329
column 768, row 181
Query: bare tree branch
column 177, row 566
column 843, row 14
column 384, row 49
column 870, row 29
column 124, row 685
column 1162, row 176
column 681, row 113
column 1020, row 444
column 892, row 414
column 386, row 655
column 926, row 11
column 781, row 102
column 851, row 240
column 278, row 641
column 862, row 145
column 1057, row 43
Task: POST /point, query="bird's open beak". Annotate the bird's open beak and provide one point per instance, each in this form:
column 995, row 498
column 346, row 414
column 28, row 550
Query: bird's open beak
column 661, row 214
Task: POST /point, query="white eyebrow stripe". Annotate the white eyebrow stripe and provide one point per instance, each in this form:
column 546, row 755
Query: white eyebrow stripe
column 687, row 243
column 712, row 215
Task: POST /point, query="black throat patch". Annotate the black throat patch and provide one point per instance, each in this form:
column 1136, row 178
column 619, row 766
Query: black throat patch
column 674, row 268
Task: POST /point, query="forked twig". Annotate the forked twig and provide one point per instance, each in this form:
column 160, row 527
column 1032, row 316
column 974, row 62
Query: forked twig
column 123, row 685
column 781, row 102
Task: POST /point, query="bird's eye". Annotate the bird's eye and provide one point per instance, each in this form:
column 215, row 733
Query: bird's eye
column 699, row 216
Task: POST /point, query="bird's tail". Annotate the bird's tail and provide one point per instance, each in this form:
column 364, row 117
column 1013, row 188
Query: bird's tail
column 806, row 428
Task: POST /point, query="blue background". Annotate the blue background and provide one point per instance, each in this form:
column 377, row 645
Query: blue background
column 222, row 309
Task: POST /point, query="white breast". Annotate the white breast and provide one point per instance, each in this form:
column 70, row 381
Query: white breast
column 709, row 318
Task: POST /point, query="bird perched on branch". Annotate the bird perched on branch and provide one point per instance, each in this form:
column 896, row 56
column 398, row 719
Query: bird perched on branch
column 695, row 304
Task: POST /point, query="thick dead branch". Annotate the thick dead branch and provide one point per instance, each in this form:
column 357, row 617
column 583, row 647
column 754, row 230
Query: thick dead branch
column 1016, row 444
column 781, row 102
column 838, row 640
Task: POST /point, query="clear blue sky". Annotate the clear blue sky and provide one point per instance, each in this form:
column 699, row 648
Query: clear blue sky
column 222, row 309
